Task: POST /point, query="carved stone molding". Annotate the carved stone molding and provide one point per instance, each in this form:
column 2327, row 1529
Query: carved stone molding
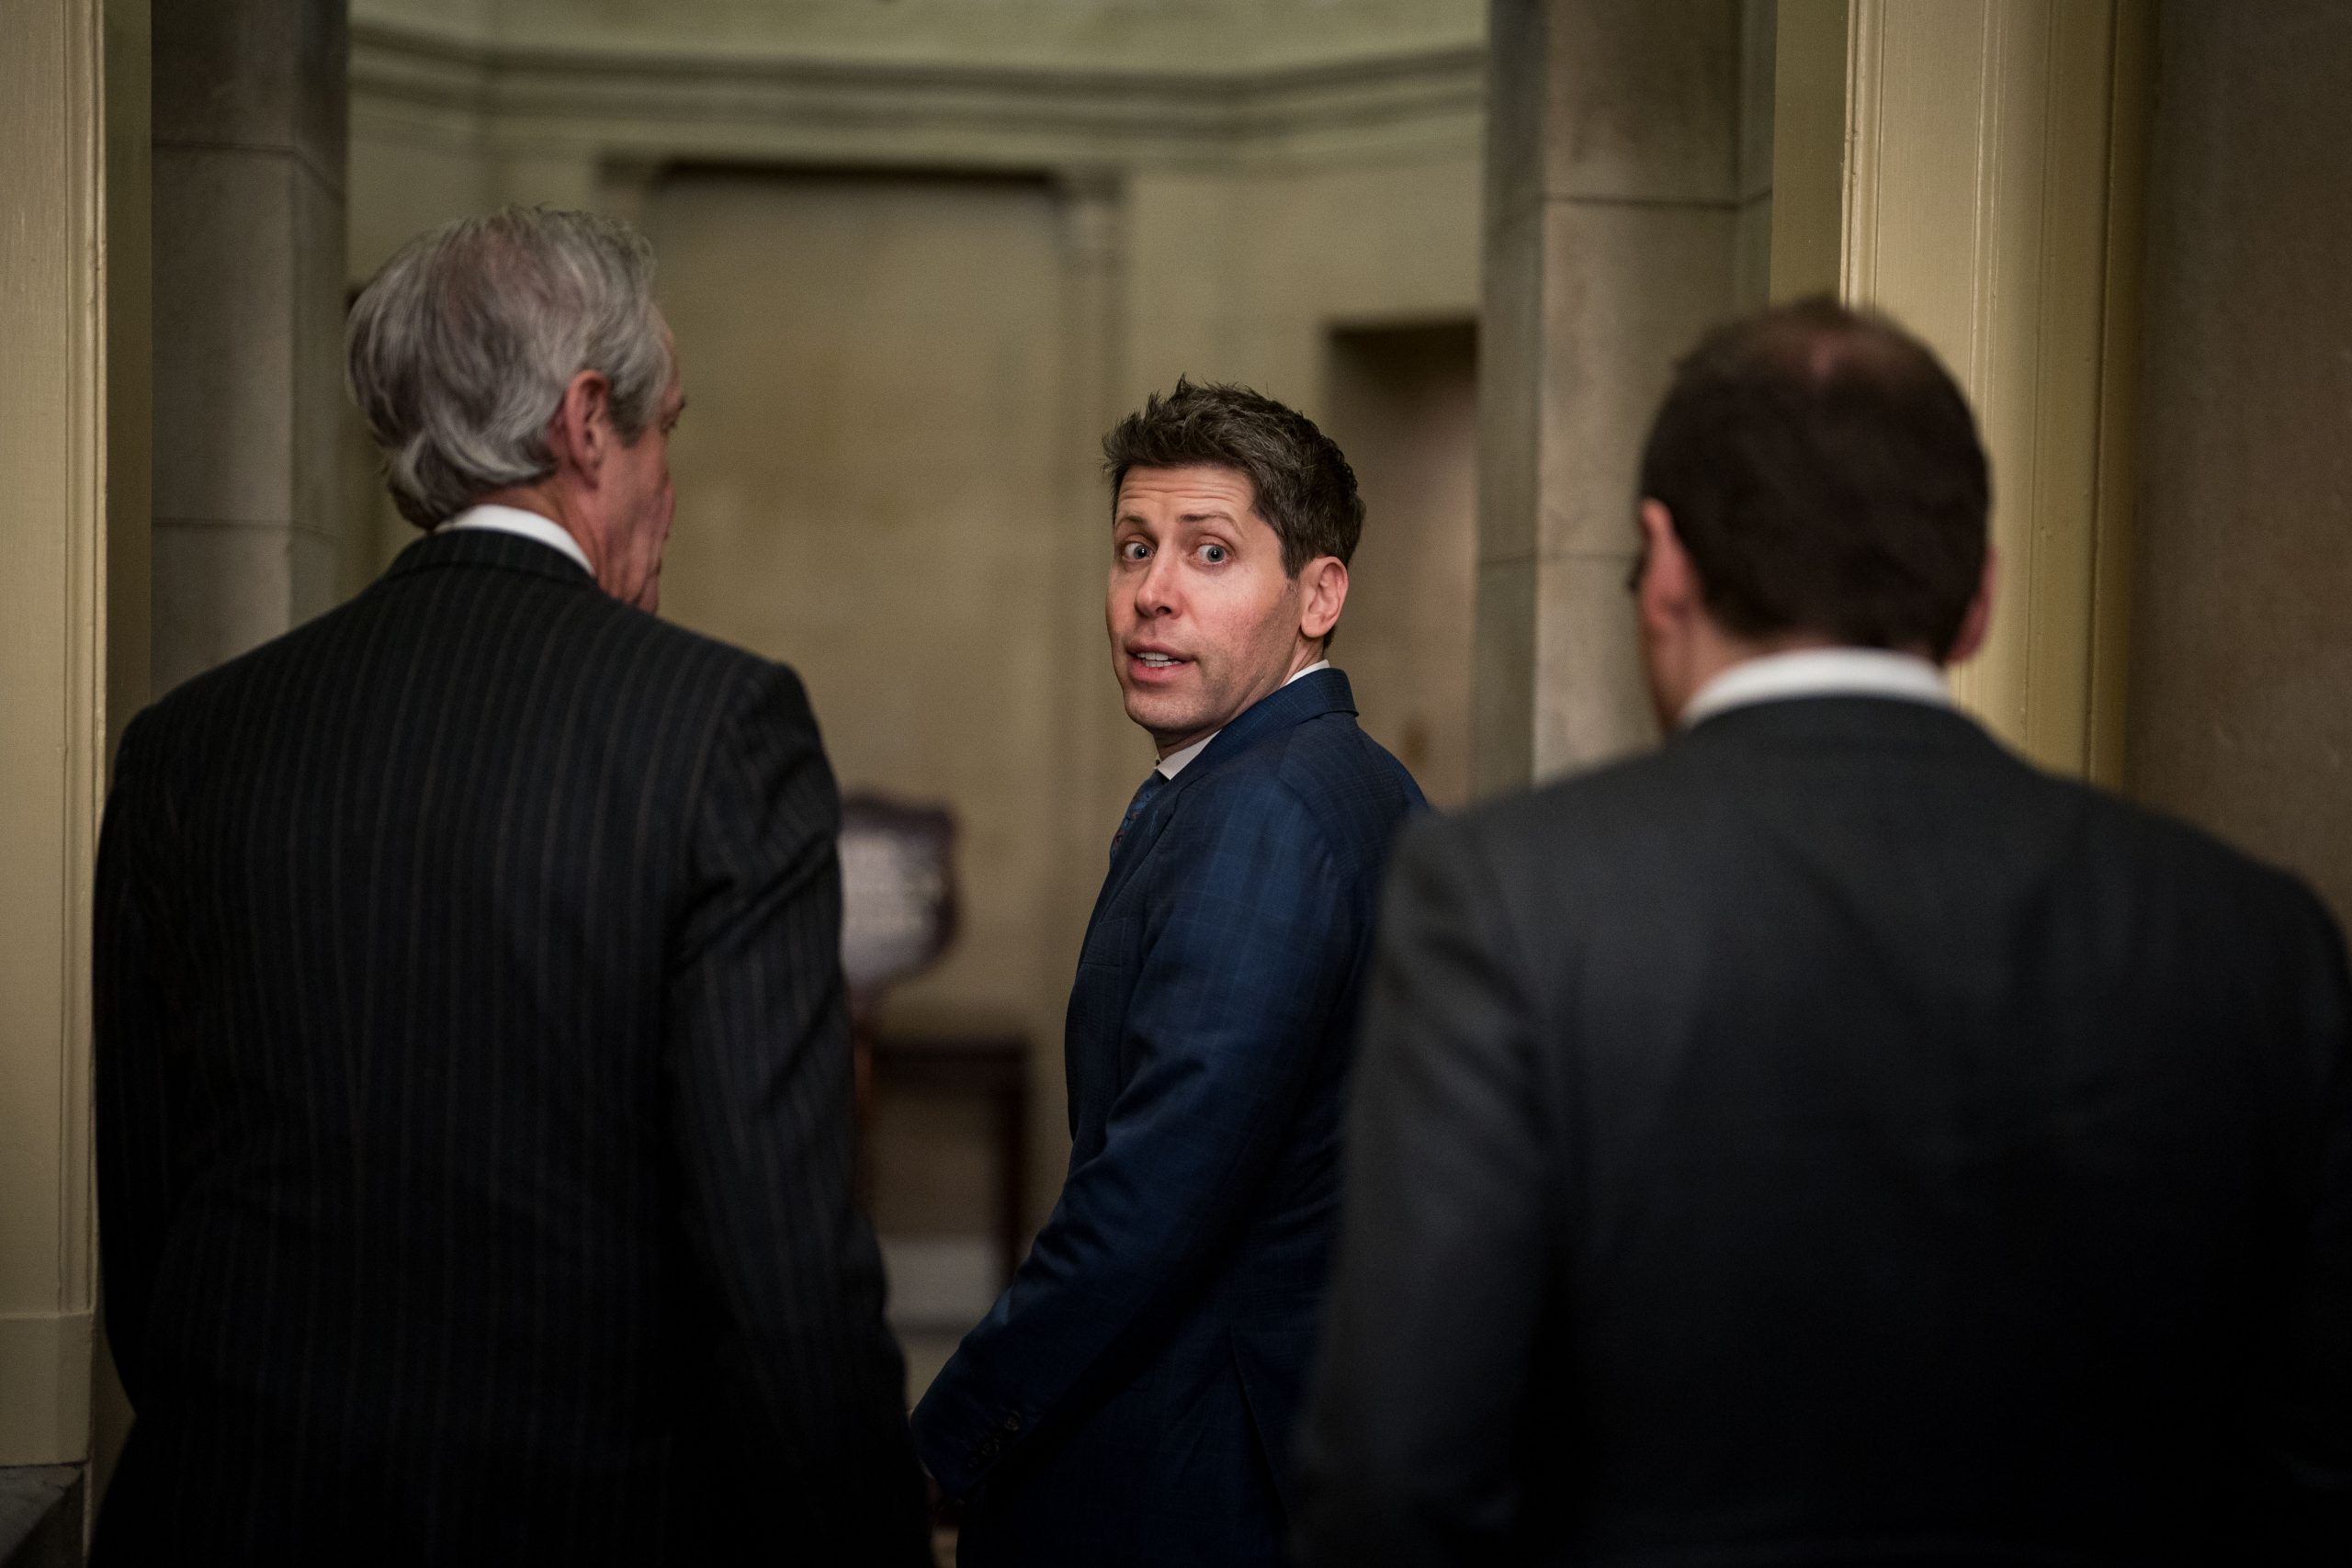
column 538, row 101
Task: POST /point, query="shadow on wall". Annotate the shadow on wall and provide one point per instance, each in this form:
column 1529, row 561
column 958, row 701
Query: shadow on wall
column 1404, row 406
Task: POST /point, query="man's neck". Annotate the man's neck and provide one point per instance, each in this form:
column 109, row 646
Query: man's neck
column 1173, row 759
column 547, row 499
column 1717, row 652
column 1814, row 669
column 494, row 518
column 1303, row 658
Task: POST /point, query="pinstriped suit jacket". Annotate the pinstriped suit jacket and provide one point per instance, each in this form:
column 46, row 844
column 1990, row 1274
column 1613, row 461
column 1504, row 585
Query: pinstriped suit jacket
column 474, row 1111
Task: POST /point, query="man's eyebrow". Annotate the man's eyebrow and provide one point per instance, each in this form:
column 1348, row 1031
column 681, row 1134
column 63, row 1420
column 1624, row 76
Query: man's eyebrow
column 1138, row 518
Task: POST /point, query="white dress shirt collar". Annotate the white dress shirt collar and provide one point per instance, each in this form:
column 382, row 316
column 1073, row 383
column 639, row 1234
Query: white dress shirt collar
column 1174, row 763
column 528, row 525
column 1819, row 673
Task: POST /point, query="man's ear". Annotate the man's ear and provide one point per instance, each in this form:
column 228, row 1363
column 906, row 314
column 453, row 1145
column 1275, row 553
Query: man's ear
column 1323, row 592
column 581, row 430
column 1978, row 622
column 1667, row 590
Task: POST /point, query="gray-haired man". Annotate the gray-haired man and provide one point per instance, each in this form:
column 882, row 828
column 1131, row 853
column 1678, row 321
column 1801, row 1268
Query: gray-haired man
column 474, row 1107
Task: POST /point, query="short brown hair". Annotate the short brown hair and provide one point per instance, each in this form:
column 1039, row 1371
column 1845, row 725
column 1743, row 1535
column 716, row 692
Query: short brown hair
column 1824, row 473
column 1304, row 486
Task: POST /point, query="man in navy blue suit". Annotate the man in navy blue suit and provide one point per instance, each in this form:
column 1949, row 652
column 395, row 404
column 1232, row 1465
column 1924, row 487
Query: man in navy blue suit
column 1129, row 1400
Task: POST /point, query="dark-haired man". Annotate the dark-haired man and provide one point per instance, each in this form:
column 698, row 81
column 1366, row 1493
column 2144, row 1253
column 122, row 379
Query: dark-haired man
column 1129, row 1400
column 1828, row 1139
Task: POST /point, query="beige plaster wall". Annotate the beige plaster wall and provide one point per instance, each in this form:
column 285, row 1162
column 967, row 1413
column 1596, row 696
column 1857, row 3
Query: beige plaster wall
column 2241, row 695
column 1256, row 268
column 867, row 476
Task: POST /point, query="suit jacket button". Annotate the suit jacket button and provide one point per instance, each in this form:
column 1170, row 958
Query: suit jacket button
column 1013, row 1423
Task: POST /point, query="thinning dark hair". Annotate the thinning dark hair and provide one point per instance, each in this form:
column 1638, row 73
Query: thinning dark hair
column 1303, row 486
column 1825, row 475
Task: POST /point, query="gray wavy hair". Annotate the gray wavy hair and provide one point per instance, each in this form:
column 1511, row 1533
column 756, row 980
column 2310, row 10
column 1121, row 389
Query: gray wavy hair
column 460, row 348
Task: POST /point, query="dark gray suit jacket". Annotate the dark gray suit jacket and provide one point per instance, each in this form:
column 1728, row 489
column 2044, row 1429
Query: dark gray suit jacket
column 1829, row 1140
column 474, row 1110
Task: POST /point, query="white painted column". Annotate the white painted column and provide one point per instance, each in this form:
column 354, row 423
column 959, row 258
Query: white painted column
column 73, row 96
column 1988, row 191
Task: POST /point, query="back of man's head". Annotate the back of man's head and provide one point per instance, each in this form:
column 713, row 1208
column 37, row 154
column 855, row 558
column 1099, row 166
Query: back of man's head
column 460, row 349
column 1825, row 478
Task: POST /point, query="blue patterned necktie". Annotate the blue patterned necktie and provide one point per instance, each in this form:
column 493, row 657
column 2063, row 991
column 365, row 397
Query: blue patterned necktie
column 1152, row 785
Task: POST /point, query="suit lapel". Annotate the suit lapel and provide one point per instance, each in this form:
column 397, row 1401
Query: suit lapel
column 1325, row 691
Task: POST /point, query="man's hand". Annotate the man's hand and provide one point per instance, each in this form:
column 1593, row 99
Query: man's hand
column 945, row 1512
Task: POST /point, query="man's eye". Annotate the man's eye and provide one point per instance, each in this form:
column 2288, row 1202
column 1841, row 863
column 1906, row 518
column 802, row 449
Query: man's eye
column 1134, row 550
column 1216, row 555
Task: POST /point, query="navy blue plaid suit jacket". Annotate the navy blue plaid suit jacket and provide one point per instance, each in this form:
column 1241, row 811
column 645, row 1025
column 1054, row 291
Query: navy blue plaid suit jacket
column 1130, row 1398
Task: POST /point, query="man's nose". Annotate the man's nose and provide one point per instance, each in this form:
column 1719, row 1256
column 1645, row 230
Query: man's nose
column 1156, row 592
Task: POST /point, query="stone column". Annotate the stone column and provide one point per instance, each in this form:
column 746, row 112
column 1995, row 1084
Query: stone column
column 250, row 110
column 1615, row 192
